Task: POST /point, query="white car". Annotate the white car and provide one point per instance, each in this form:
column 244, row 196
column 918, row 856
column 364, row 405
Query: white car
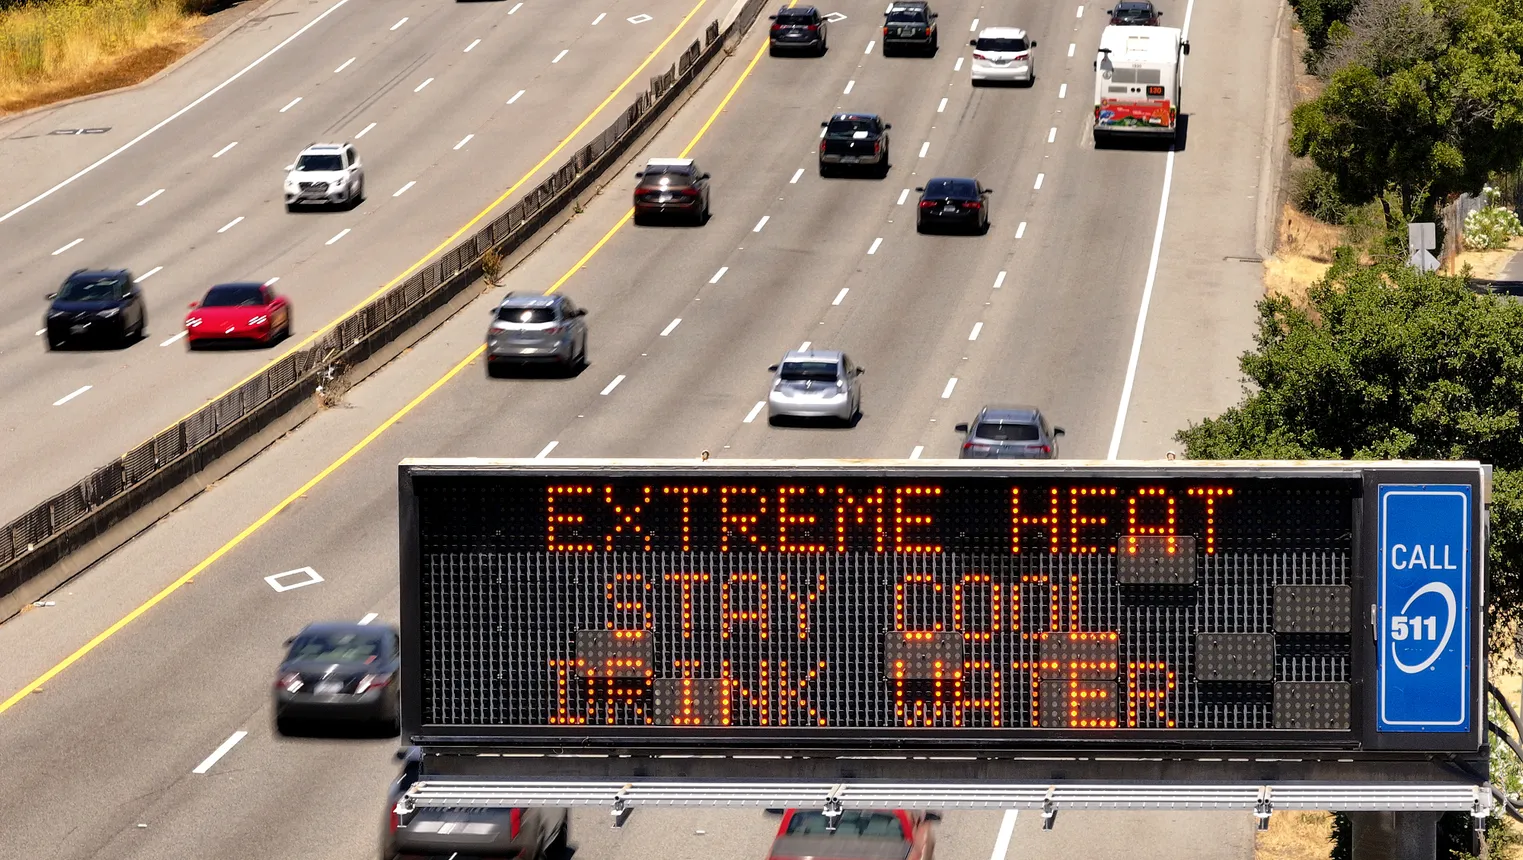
column 1002, row 54
column 817, row 383
column 325, row 174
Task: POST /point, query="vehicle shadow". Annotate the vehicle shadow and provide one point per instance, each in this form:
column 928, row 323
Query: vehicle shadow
column 815, row 423
column 336, row 730
column 535, row 371
column 1148, row 143
column 672, row 221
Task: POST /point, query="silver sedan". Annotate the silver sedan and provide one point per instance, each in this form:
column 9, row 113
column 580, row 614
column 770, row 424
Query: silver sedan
column 816, row 383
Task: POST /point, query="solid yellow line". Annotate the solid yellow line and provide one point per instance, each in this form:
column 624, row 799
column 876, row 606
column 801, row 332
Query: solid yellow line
column 469, row 224
column 240, row 538
column 348, row 455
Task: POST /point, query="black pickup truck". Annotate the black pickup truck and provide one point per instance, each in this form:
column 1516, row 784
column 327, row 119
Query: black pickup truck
column 909, row 25
column 854, row 140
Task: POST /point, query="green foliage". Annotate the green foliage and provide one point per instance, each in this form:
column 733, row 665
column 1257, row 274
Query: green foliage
column 1316, row 17
column 1314, row 192
column 1491, row 226
column 1425, row 100
column 1387, row 363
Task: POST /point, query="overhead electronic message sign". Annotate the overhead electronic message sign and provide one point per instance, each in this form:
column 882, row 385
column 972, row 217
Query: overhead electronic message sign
column 944, row 606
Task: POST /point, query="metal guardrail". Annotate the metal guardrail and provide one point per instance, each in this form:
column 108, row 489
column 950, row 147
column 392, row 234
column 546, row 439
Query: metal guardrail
column 49, row 532
column 446, row 792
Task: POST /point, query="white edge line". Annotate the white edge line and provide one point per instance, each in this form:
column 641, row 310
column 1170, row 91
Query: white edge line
column 755, row 410
column 369, row 617
column 1142, row 312
column 608, row 389
column 221, row 751
column 545, row 451
column 174, row 116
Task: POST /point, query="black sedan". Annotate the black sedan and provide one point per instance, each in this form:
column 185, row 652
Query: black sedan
column 953, row 203
column 96, row 305
column 1135, row 13
column 340, row 671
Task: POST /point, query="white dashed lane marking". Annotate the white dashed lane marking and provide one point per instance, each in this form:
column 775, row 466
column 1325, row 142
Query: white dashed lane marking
column 290, row 104
column 150, row 197
column 755, row 410
column 71, row 395
column 608, row 389
column 345, row 65
column 947, row 392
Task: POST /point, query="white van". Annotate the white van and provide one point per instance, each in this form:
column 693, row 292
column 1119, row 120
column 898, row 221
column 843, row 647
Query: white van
column 1137, row 82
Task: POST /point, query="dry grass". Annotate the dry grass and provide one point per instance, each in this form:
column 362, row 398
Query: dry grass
column 1487, row 265
column 1303, row 254
column 50, row 51
column 1295, row 836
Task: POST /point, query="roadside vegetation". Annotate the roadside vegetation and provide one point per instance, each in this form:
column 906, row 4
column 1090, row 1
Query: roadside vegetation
column 52, row 50
column 1403, row 106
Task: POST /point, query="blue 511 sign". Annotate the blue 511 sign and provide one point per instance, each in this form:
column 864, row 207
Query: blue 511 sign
column 1424, row 608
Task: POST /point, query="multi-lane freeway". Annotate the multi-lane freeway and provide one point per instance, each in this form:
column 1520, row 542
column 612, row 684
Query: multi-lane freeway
column 144, row 666
column 448, row 106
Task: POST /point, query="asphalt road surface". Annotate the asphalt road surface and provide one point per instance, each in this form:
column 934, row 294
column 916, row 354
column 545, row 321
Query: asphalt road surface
column 103, row 751
column 449, row 105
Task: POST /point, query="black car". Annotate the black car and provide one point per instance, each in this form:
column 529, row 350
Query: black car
column 854, row 140
column 96, row 305
column 339, row 671
column 531, row 833
column 1135, row 13
column 909, row 24
column 953, row 202
column 799, row 27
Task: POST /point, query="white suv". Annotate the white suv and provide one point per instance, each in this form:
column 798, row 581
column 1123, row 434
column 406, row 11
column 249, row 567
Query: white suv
column 325, row 173
column 1002, row 54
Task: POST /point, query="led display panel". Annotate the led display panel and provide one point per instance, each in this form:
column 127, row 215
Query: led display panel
column 870, row 607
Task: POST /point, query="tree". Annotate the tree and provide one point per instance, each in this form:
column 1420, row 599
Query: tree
column 1317, row 17
column 1387, row 363
column 1422, row 100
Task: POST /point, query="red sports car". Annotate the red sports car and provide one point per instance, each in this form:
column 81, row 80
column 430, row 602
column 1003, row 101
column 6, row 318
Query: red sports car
column 238, row 312
column 877, row 834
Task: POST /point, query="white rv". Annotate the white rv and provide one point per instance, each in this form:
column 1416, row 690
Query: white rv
column 1137, row 82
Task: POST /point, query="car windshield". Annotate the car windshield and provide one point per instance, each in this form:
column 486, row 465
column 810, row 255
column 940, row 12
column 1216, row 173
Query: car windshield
column 674, row 171
column 341, row 647
column 852, row 824
column 847, row 127
column 956, row 189
column 1000, row 432
column 526, row 315
column 233, row 297
column 998, row 45
column 319, row 162
column 808, row 371
column 906, row 16
column 794, row 19
column 90, row 290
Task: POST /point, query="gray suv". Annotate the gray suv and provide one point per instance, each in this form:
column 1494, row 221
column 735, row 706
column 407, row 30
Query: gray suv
column 1009, row 433
column 529, row 328
column 532, row 833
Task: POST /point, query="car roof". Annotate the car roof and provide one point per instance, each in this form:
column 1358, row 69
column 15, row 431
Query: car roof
column 906, row 5
column 1009, row 414
column 1134, row 5
column 798, row 10
column 236, row 284
column 814, row 355
column 669, row 162
column 1002, row 33
column 530, row 300
column 324, row 147
column 852, row 116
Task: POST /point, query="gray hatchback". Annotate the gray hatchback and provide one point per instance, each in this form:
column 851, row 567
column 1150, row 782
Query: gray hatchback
column 530, row 328
column 1009, row 433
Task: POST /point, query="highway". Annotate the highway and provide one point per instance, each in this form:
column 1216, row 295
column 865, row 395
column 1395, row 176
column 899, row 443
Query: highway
column 110, row 719
column 449, row 105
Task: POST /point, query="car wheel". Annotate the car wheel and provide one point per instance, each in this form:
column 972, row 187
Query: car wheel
column 822, row 49
column 581, row 359
column 824, row 170
column 884, row 166
column 285, row 726
column 494, row 370
column 55, row 344
column 560, row 846
column 290, row 207
column 772, row 50
column 919, row 226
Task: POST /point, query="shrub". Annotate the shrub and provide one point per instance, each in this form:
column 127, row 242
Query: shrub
column 1314, row 192
column 1493, row 225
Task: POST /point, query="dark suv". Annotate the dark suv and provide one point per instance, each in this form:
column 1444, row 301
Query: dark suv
column 798, row 28
column 854, row 140
column 1009, row 433
column 672, row 186
column 909, row 25
column 96, row 305
column 1135, row 13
